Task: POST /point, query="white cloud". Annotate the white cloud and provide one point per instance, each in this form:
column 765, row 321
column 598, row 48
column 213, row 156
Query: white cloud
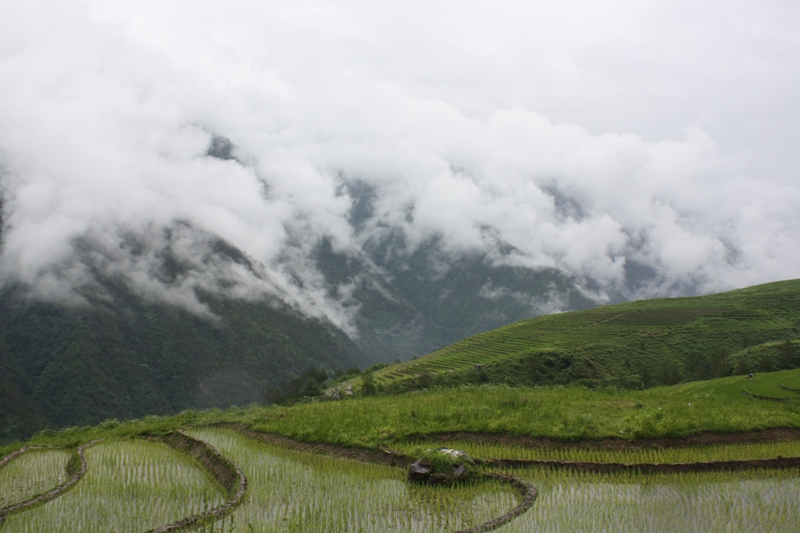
column 583, row 134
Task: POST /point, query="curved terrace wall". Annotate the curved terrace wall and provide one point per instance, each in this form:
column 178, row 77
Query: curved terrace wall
column 224, row 472
column 78, row 466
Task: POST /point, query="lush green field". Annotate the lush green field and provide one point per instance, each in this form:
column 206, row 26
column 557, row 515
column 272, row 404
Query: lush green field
column 562, row 413
column 133, row 485
column 635, row 344
column 701, row 503
column 32, row 473
column 130, row 486
column 291, row 491
column 771, row 385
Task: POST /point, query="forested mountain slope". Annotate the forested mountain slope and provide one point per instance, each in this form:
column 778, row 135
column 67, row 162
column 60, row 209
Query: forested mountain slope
column 127, row 357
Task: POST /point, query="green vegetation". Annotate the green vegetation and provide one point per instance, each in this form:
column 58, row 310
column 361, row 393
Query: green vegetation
column 603, row 356
column 291, row 491
column 136, row 484
column 718, row 502
column 61, row 366
column 560, row 413
column 791, row 382
column 131, row 485
column 31, row 474
column 695, row 454
column 307, row 385
column 634, row 345
column 768, row 385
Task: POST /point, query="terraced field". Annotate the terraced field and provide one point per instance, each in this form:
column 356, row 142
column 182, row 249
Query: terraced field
column 616, row 484
column 292, row 491
column 720, row 502
column 137, row 485
column 31, row 474
column 130, row 485
column 680, row 332
column 769, row 385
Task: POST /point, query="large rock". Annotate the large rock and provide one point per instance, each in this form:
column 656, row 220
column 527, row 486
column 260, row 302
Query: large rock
column 440, row 467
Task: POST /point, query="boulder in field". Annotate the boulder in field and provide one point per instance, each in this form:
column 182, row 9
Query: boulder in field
column 441, row 467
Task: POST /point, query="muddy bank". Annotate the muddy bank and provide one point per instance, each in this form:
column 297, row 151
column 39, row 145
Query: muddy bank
column 76, row 468
column 647, row 468
column 395, row 458
column 383, row 456
column 225, row 472
column 613, row 443
column 526, row 490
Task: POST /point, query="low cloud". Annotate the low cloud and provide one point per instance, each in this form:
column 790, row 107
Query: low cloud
column 475, row 126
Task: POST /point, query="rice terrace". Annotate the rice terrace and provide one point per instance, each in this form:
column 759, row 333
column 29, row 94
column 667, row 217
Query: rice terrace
column 659, row 415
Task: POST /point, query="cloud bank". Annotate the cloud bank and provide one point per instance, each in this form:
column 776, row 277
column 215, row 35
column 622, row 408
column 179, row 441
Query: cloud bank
column 655, row 136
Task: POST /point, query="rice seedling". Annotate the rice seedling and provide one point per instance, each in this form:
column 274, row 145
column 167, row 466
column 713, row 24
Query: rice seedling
column 131, row 485
column 737, row 452
column 32, row 473
column 764, row 501
column 766, row 385
column 291, row 491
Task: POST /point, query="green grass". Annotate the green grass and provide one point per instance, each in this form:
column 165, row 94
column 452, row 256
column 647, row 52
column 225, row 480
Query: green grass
column 560, row 413
column 565, row 413
column 644, row 343
column 738, row 452
column 791, row 382
column 31, row 474
column 133, row 485
column 130, row 486
column 763, row 384
column 766, row 385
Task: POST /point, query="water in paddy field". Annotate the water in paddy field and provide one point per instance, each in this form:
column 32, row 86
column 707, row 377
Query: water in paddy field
column 32, row 473
column 302, row 493
column 132, row 486
column 291, row 491
column 701, row 503
column 129, row 486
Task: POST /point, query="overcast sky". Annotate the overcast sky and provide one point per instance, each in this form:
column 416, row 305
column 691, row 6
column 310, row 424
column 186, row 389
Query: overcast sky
column 671, row 126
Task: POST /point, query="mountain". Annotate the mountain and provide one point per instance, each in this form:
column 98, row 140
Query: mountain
column 126, row 357
column 159, row 319
column 413, row 300
column 119, row 353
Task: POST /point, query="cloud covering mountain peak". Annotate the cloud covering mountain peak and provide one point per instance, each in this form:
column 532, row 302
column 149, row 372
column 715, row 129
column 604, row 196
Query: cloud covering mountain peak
column 589, row 142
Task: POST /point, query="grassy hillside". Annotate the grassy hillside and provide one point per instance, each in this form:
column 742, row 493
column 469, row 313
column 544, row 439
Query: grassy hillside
column 783, row 385
column 561, row 413
column 636, row 344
